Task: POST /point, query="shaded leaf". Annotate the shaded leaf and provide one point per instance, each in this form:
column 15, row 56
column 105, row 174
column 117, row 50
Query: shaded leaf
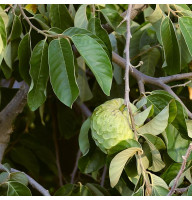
column 16, row 28
column 24, row 54
column 65, row 190
column 92, row 161
column 97, row 190
column 83, row 137
column 62, row 71
column 171, row 47
column 96, row 59
column 118, row 163
column 84, row 89
column 60, row 16
column 39, row 73
column 150, row 61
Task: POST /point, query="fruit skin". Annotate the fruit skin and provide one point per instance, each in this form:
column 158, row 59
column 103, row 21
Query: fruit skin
column 109, row 125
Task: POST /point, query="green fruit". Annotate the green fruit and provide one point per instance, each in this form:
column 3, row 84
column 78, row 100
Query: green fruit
column 109, row 124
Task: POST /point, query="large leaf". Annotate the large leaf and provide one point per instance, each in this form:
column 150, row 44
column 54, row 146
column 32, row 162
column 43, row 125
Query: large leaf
column 159, row 187
column 83, row 137
column 185, row 24
column 155, row 143
column 74, row 30
column 140, row 118
column 24, row 54
column 62, row 71
column 150, row 61
column 60, row 16
column 39, row 73
column 118, row 163
column 176, row 145
column 17, row 189
column 96, row 58
column 155, row 19
column 171, row 47
column 157, row 125
column 81, row 20
column 19, row 177
column 95, row 27
column 16, row 28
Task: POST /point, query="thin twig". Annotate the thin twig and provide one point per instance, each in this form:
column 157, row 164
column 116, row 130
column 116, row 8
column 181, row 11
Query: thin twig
column 54, row 125
column 75, row 167
column 181, row 170
column 32, row 182
column 128, row 64
column 181, row 85
column 38, row 30
column 103, row 175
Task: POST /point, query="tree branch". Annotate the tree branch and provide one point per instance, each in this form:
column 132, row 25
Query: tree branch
column 160, row 82
column 103, row 175
column 32, row 182
column 181, row 170
column 8, row 115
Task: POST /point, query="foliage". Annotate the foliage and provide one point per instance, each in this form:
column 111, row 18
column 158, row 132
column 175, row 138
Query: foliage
column 65, row 54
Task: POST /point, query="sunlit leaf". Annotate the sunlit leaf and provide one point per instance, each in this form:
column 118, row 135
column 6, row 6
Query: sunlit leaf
column 118, row 163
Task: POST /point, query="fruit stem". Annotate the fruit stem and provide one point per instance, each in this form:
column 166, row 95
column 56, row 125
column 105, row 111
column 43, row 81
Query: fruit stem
column 122, row 107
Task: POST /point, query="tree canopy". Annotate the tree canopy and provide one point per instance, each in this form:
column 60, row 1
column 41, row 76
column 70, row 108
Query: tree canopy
column 59, row 63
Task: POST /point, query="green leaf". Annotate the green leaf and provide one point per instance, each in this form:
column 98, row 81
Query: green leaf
column 17, row 189
column 185, row 26
column 60, row 16
column 4, row 177
column 65, row 190
column 118, row 163
column 95, row 27
column 159, row 187
column 189, row 127
column 176, row 145
column 83, row 137
column 171, row 172
column 39, row 73
column 97, row 190
column 24, row 54
column 150, row 61
column 4, row 16
column 157, row 125
column 92, row 161
column 189, row 192
column 81, row 20
column 114, row 19
column 16, row 28
column 19, row 177
column 62, row 71
column 42, row 20
column 155, row 143
column 97, row 60
column 74, row 30
column 140, row 118
column 171, row 47
column 84, row 89
column 156, row 19
column 139, row 192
